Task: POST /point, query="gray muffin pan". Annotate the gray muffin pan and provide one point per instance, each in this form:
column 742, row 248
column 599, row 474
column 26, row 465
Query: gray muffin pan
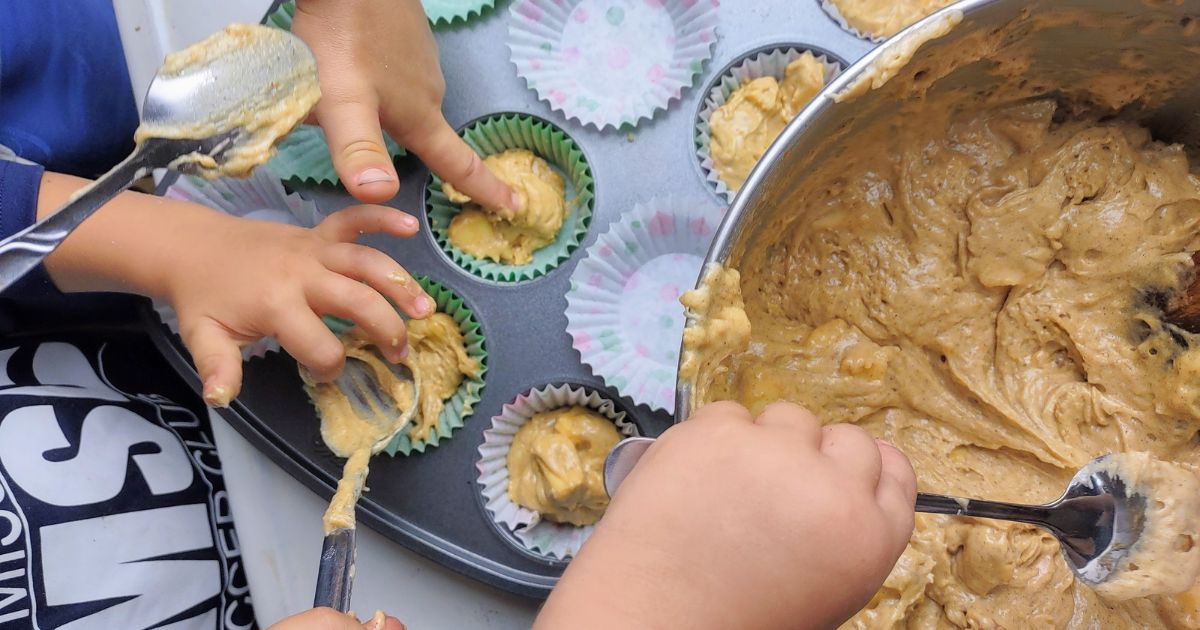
column 430, row 502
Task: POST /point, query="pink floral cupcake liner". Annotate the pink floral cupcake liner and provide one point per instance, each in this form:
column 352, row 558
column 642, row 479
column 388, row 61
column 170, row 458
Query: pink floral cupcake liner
column 623, row 311
column 611, row 63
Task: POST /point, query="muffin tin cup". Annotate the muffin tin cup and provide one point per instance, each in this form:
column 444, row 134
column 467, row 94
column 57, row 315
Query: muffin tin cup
column 611, row 63
column 834, row 13
column 260, row 197
column 449, row 12
column 499, row 133
column 770, row 61
column 529, row 531
column 459, row 406
column 303, row 155
column 623, row 312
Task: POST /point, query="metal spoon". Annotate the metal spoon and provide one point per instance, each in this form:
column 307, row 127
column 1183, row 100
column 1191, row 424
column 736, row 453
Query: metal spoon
column 335, row 570
column 201, row 116
column 1097, row 520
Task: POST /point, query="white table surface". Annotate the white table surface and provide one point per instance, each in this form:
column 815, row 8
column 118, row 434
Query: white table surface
column 279, row 520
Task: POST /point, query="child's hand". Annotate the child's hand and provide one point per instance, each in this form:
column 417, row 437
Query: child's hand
column 378, row 63
column 730, row 521
column 330, row 619
column 241, row 280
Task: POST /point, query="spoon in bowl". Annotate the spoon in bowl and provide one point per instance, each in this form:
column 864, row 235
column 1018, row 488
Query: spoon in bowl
column 215, row 108
column 1129, row 525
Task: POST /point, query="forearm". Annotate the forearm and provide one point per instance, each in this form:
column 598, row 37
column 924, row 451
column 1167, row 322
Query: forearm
column 130, row 245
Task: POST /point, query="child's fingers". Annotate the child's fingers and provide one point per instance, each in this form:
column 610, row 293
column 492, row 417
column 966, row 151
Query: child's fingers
column 382, row 273
column 897, row 490
column 311, row 343
column 218, row 360
column 342, row 297
column 447, row 155
column 801, row 423
column 349, row 224
column 361, row 160
column 855, row 450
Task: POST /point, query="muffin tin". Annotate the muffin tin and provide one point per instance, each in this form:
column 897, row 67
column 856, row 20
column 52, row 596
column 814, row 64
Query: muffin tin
column 430, row 502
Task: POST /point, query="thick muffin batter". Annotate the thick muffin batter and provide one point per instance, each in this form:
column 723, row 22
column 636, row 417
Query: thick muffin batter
column 1166, row 557
column 511, row 237
column 438, row 354
column 556, row 465
column 982, row 289
column 884, row 18
column 745, row 126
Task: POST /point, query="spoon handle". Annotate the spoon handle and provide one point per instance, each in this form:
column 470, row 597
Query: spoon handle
column 955, row 506
column 23, row 251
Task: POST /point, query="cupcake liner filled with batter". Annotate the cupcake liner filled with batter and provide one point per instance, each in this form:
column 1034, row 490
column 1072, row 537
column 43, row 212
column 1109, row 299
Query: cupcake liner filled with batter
column 303, row 155
column 623, row 311
column 260, row 196
column 792, row 91
column 510, row 135
column 456, row 407
column 545, row 408
column 611, row 63
column 877, row 20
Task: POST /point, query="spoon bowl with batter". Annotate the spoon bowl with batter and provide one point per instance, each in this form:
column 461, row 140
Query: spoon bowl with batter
column 216, row 108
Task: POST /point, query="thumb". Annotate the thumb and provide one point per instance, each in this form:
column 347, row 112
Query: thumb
column 356, row 145
column 218, row 359
column 447, row 155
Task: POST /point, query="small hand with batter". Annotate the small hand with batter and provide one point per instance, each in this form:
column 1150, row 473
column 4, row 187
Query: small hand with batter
column 378, row 65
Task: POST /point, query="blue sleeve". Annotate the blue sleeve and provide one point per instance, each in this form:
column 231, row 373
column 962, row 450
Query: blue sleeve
column 19, row 185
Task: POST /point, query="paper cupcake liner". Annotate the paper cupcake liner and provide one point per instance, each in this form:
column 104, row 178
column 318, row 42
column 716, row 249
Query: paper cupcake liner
column 447, row 12
column 833, row 12
column 303, row 155
column 541, row 537
column 623, row 311
column 259, row 196
column 753, row 65
column 518, row 131
column 459, row 406
column 611, row 63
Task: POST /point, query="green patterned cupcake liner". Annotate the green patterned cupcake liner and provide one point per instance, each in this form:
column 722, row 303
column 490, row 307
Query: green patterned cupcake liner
column 449, row 12
column 303, row 155
column 500, row 133
column 459, row 406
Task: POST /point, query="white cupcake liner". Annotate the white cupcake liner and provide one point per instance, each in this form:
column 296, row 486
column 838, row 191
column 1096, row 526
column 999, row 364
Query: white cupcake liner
column 260, row 196
column 768, row 62
column 534, row 534
column 833, row 12
column 623, row 311
column 611, row 63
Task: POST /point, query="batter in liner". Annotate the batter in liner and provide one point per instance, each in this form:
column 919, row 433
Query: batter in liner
column 556, row 464
column 745, row 126
column 981, row 287
column 512, row 236
column 884, row 18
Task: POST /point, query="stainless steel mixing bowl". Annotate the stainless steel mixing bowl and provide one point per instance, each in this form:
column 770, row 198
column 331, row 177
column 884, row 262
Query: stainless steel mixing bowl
column 1067, row 56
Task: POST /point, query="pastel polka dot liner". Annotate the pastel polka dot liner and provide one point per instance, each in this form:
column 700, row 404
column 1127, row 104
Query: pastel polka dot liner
column 611, row 63
column 522, row 527
column 260, row 196
column 623, row 311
